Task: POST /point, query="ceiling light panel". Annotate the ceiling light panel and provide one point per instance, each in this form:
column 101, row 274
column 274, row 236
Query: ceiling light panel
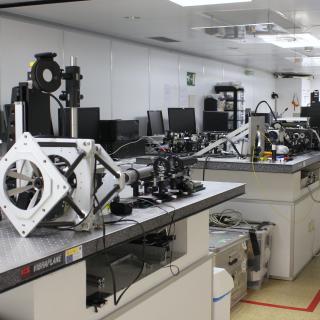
column 247, row 33
column 306, row 61
column 258, row 25
column 290, row 41
column 193, row 3
column 310, row 62
column 248, row 17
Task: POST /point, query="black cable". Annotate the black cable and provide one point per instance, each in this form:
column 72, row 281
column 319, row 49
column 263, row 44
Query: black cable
column 115, row 299
column 114, row 284
column 113, row 277
column 69, row 228
column 172, row 223
column 63, row 113
column 172, row 266
column 260, row 103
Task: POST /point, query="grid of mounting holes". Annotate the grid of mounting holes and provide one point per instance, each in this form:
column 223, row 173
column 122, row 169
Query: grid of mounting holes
column 16, row 251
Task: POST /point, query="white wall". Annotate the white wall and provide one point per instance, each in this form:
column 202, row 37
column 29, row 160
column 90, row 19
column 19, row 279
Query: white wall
column 122, row 78
column 287, row 89
column 93, row 54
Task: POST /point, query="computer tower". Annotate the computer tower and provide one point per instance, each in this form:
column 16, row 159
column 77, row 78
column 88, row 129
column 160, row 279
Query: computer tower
column 315, row 116
column 314, row 97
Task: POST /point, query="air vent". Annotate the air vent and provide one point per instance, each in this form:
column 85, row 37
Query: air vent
column 163, row 39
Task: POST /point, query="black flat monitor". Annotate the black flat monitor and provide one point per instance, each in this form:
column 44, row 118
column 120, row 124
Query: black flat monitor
column 182, row 120
column 155, row 123
column 118, row 130
column 214, row 121
column 88, row 123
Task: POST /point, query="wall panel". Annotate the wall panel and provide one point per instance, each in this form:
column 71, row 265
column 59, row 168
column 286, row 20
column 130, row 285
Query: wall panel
column 122, row 78
column 130, row 81
column 93, row 53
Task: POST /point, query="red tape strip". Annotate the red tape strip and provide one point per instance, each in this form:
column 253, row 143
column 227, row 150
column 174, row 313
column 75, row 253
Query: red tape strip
column 311, row 308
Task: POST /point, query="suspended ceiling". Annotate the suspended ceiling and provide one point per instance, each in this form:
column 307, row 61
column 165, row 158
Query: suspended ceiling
column 148, row 19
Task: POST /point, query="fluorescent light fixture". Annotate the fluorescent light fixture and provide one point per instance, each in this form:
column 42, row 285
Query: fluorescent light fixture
column 311, row 62
column 281, row 14
column 306, row 61
column 235, row 25
column 289, row 41
column 192, row 3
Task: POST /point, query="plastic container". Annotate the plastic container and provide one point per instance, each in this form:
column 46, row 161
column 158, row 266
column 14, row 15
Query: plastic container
column 230, row 253
column 221, row 296
column 258, row 265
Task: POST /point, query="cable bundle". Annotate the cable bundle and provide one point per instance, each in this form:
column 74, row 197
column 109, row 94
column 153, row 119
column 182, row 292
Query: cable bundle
column 228, row 218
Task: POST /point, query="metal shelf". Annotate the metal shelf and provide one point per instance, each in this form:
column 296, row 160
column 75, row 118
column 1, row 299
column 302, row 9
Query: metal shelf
column 234, row 100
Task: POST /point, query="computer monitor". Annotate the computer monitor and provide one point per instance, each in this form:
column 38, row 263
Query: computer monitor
column 215, row 121
column 118, row 130
column 88, row 123
column 155, row 123
column 305, row 112
column 182, row 120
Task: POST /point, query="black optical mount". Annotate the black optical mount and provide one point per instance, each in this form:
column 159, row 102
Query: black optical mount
column 45, row 73
column 51, row 81
column 72, row 95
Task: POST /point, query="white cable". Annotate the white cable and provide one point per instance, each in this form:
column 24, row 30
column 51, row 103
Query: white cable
column 235, row 218
column 312, row 196
column 133, row 142
column 317, row 135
